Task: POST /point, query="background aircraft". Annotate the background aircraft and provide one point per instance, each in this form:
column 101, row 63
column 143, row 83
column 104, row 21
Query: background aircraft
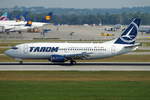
column 18, row 25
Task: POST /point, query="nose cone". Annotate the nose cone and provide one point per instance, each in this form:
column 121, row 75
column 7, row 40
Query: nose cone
column 7, row 52
column 14, row 53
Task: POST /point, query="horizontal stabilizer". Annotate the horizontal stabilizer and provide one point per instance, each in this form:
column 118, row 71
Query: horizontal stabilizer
column 132, row 46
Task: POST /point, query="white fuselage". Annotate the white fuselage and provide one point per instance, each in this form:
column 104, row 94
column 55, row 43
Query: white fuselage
column 13, row 25
column 45, row 50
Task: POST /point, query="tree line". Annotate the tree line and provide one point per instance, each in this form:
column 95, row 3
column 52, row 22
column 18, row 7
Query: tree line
column 80, row 19
column 104, row 19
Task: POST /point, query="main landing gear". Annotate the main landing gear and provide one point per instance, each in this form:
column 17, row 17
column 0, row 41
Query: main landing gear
column 21, row 62
column 72, row 62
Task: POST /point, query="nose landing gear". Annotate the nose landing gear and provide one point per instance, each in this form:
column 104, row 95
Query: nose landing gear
column 72, row 62
column 21, row 62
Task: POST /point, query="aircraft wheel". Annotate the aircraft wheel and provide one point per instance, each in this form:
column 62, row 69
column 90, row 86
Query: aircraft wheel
column 20, row 62
column 19, row 32
column 72, row 62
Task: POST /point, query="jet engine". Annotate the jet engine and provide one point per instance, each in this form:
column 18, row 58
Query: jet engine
column 57, row 58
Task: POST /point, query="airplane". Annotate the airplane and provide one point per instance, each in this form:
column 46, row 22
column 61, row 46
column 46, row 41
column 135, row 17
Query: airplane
column 13, row 25
column 63, row 52
column 17, row 25
column 19, row 28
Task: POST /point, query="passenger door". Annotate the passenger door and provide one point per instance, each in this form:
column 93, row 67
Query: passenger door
column 113, row 49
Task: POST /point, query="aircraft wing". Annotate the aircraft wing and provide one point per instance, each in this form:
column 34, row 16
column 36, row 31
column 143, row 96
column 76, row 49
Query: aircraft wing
column 82, row 55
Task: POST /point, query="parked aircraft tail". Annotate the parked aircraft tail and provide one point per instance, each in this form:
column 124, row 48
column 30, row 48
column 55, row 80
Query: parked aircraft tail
column 29, row 23
column 48, row 17
column 22, row 17
column 4, row 17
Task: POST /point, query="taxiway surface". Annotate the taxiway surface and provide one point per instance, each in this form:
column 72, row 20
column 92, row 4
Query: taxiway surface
column 90, row 66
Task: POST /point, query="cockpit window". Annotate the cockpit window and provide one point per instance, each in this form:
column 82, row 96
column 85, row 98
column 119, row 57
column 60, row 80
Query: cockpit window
column 14, row 48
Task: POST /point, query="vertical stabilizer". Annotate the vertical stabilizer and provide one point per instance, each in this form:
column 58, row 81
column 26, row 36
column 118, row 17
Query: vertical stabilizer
column 129, row 35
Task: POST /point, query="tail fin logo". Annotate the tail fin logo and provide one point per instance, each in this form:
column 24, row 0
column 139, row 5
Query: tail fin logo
column 129, row 35
column 29, row 23
column 47, row 17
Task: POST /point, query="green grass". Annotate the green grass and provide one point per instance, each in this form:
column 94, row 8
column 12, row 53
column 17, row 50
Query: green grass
column 2, row 50
column 8, row 44
column 124, row 58
column 74, row 85
column 60, row 90
column 141, row 51
column 73, row 76
column 145, row 44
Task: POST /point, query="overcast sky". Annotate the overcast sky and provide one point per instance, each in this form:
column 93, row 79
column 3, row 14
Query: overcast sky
column 75, row 3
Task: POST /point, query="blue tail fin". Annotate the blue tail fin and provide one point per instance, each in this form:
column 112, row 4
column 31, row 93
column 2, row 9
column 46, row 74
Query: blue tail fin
column 22, row 17
column 47, row 18
column 29, row 23
column 18, row 18
column 129, row 35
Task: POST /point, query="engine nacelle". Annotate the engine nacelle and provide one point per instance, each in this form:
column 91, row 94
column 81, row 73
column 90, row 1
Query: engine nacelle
column 57, row 58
